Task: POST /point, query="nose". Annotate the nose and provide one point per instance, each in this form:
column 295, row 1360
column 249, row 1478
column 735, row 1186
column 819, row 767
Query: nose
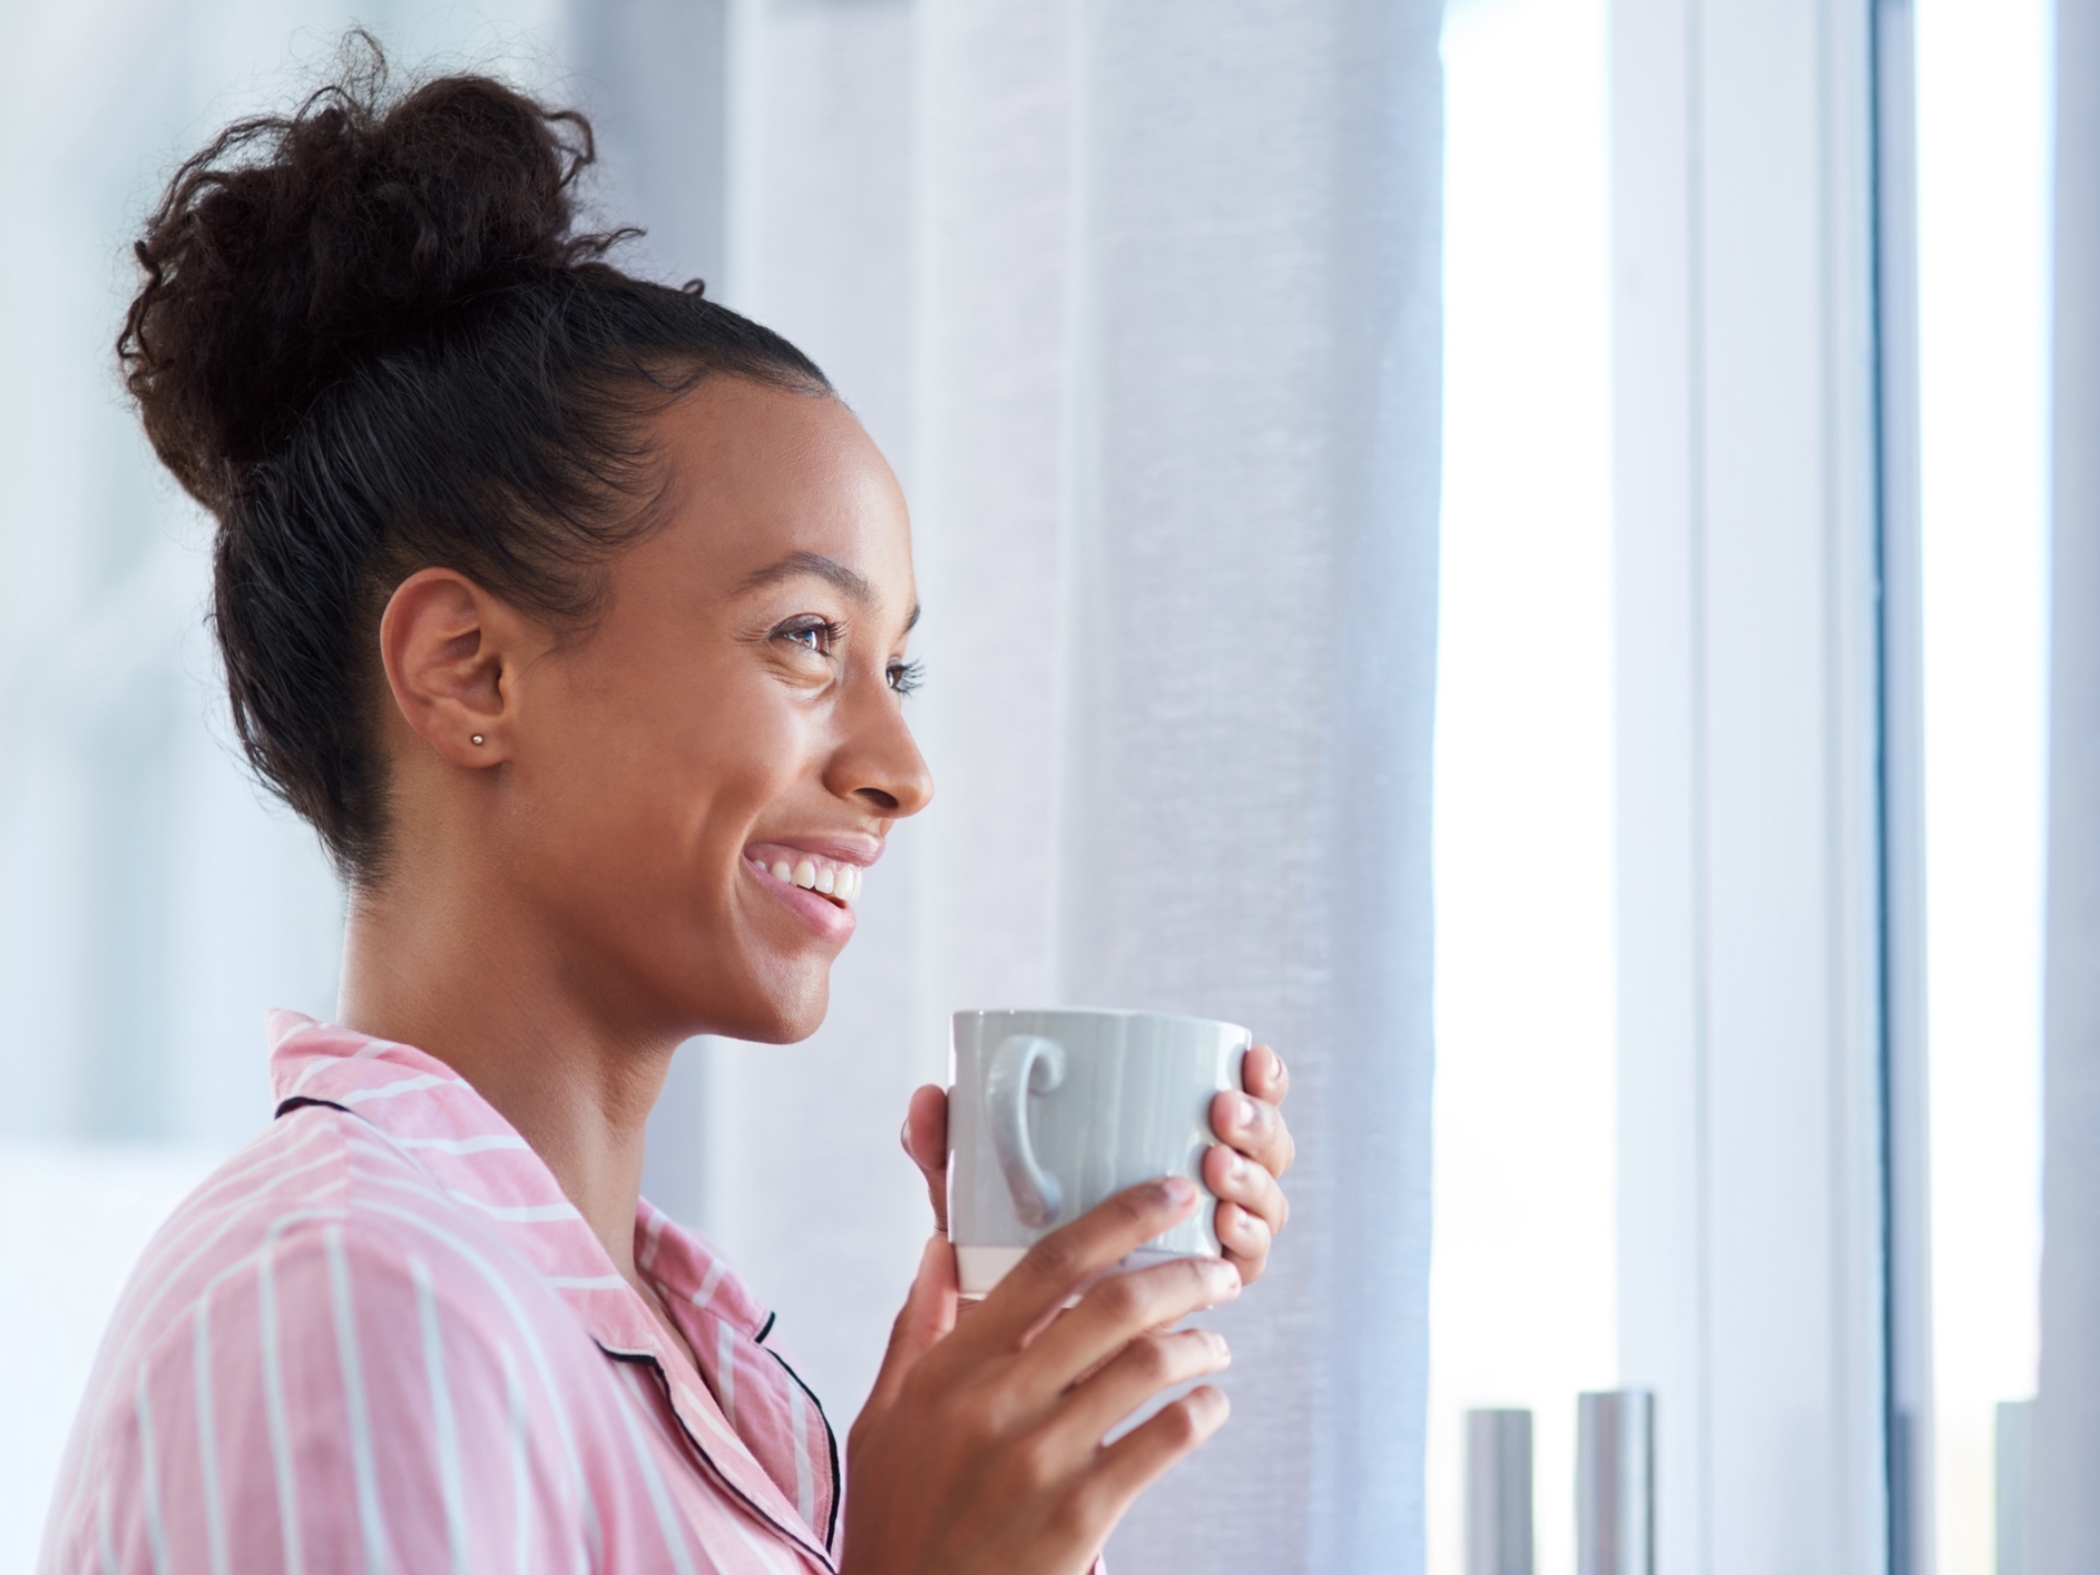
column 877, row 763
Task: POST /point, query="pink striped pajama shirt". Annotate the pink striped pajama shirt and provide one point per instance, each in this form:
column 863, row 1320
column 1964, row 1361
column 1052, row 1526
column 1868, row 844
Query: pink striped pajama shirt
column 380, row 1339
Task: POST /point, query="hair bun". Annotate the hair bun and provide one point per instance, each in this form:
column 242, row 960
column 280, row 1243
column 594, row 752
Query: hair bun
column 295, row 246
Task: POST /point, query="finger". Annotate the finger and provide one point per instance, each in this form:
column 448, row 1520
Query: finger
column 925, row 1132
column 1246, row 1239
column 1256, row 1128
column 925, row 1140
column 1140, row 1457
column 927, row 1316
column 1070, row 1256
column 1262, row 1074
column 1145, row 1366
column 1238, row 1179
column 1118, row 1310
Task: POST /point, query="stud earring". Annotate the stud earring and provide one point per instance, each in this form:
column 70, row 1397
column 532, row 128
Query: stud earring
column 477, row 738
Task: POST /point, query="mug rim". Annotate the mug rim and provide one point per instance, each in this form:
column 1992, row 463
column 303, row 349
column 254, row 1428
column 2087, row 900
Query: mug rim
column 981, row 1012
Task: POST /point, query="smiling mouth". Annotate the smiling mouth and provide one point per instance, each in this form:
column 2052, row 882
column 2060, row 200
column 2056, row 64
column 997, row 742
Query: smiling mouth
column 829, row 878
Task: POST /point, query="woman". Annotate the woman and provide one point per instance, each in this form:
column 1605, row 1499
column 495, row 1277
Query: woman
column 572, row 612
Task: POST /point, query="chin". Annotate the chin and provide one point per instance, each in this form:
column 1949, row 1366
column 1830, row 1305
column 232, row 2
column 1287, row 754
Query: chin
column 777, row 1012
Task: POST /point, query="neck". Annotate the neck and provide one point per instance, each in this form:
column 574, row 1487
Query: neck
column 437, row 964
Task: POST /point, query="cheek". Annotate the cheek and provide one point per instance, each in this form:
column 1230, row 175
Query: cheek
column 646, row 797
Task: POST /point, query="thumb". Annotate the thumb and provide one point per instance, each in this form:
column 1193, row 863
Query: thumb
column 928, row 1315
column 925, row 1139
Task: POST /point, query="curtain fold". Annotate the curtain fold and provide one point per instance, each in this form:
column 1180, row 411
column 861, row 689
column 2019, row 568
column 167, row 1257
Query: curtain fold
column 1245, row 832
column 2066, row 1457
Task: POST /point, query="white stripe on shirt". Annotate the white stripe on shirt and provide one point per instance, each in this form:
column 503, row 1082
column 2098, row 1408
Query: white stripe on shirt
column 407, row 1085
column 805, row 1479
column 725, row 1374
column 449, row 1477
column 667, row 1518
column 363, row 1469
column 487, row 1143
column 520, row 1473
column 207, row 1440
column 273, row 1410
column 149, row 1470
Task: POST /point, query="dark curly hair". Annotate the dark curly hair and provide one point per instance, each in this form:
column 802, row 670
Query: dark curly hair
column 371, row 339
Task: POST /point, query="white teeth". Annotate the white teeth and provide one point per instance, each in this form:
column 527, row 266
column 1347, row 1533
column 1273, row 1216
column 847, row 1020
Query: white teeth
column 842, row 881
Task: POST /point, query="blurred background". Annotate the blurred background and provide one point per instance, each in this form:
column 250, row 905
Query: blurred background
column 153, row 901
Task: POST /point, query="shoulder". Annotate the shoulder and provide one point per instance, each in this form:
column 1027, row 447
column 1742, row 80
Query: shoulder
column 321, row 1231
column 322, row 1243
column 321, row 1328
column 322, row 1186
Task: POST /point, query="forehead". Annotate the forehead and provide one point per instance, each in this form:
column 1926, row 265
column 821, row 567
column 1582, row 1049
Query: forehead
column 758, row 476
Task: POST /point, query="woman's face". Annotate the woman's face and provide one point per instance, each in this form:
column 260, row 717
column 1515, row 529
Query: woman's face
column 730, row 733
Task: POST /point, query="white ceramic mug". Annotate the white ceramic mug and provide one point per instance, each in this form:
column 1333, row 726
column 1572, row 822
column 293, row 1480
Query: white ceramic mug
column 1052, row 1112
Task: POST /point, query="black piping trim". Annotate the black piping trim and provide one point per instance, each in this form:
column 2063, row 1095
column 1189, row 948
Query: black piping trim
column 300, row 1102
column 831, row 1444
column 663, row 1382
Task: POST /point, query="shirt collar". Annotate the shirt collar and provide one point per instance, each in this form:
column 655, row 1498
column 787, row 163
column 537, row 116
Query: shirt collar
column 430, row 1112
column 421, row 1107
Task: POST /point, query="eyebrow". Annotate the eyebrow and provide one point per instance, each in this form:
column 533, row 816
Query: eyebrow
column 830, row 570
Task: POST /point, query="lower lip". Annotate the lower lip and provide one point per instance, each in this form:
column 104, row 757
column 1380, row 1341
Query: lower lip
column 831, row 920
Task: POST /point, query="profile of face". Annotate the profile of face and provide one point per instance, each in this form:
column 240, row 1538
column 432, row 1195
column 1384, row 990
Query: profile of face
column 682, row 799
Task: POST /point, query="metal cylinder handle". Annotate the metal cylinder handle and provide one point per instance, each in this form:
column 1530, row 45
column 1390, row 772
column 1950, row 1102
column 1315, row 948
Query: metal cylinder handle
column 1023, row 1064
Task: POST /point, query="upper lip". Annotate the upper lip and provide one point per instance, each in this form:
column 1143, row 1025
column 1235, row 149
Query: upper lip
column 848, row 847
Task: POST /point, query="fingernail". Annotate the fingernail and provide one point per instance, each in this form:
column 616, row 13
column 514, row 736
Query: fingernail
column 904, row 1135
column 1276, row 1061
column 1219, row 1348
column 1177, row 1191
column 1238, row 1167
column 1247, row 1112
column 1224, row 1279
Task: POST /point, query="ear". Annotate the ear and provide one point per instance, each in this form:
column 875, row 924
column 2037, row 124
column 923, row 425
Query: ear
column 452, row 653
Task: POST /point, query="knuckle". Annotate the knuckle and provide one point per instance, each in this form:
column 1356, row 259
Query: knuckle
column 1058, row 1256
column 1036, row 1463
column 978, row 1416
column 1122, row 1299
column 1178, row 1422
column 1152, row 1360
column 1130, row 1207
column 1076, row 1514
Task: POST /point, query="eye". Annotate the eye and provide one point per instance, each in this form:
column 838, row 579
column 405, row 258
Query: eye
column 904, row 677
column 812, row 634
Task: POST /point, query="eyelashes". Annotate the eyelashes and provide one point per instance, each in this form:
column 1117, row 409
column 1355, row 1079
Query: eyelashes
column 812, row 634
column 820, row 636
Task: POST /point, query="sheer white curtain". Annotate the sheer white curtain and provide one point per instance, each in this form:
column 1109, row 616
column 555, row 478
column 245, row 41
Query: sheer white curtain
column 2066, row 1524
column 1144, row 303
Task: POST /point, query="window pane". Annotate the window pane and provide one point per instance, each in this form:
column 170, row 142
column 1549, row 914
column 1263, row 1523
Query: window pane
column 1983, row 94
column 1521, row 1301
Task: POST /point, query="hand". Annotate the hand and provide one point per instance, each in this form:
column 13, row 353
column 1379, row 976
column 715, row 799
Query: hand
column 1254, row 1149
column 980, row 1449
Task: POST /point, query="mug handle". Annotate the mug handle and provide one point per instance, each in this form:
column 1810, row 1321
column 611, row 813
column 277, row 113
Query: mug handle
column 1023, row 1062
